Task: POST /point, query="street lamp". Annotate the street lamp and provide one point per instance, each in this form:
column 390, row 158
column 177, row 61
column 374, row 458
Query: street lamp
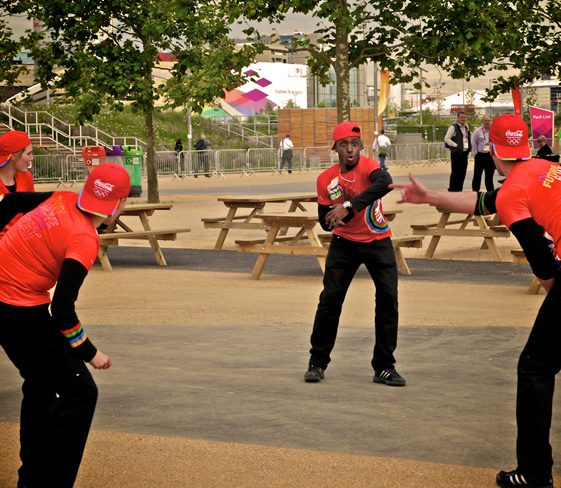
column 421, row 95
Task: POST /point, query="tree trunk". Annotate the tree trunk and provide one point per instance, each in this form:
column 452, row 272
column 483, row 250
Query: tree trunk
column 342, row 67
column 153, row 192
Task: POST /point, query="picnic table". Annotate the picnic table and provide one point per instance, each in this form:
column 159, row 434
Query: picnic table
column 305, row 241
column 122, row 230
column 255, row 205
column 485, row 227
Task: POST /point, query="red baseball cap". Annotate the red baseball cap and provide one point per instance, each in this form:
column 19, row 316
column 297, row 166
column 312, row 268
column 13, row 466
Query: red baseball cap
column 345, row 129
column 509, row 138
column 11, row 142
column 103, row 190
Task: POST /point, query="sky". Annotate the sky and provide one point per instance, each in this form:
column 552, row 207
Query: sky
column 307, row 24
column 292, row 23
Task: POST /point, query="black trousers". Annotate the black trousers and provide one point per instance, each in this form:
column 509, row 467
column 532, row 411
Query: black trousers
column 287, row 155
column 59, row 397
column 202, row 163
column 343, row 260
column 459, row 162
column 539, row 362
column 483, row 163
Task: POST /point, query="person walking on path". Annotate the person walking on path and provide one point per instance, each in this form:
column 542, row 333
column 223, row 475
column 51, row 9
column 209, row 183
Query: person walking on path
column 16, row 155
column 179, row 154
column 381, row 148
column 483, row 162
column 54, row 243
column 349, row 204
column 529, row 203
column 458, row 140
column 202, row 147
column 287, row 153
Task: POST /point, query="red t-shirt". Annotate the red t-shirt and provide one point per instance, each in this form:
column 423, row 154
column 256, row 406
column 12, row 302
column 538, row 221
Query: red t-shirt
column 533, row 190
column 333, row 187
column 36, row 246
column 24, row 182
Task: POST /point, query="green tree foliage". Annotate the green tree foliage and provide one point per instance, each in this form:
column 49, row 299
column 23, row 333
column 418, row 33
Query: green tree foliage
column 467, row 38
column 106, row 51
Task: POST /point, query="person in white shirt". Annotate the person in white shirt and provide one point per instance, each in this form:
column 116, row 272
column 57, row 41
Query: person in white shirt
column 286, row 147
column 381, row 148
column 458, row 140
column 482, row 156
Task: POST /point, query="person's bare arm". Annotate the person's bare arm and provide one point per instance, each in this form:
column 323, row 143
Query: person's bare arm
column 416, row 192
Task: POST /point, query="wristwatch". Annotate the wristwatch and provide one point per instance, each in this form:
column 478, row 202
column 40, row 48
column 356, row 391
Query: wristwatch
column 347, row 205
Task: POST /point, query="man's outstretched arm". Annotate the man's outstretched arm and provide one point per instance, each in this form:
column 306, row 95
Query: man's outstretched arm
column 415, row 192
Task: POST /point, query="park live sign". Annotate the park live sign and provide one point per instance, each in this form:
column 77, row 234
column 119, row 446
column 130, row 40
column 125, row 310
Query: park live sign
column 541, row 121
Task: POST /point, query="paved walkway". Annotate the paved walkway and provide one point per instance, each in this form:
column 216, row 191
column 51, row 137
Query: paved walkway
column 207, row 384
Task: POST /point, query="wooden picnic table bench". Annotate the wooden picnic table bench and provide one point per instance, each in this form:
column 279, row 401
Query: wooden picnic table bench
column 121, row 230
column 307, row 242
column 255, row 205
column 486, row 227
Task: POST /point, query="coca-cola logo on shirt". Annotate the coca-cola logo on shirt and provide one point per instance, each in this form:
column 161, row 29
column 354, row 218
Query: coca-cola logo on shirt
column 102, row 189
column 513, row 137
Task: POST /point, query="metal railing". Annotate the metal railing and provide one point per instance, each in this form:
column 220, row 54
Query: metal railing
column 47, row 129
column 246, row 133
column 70, row 168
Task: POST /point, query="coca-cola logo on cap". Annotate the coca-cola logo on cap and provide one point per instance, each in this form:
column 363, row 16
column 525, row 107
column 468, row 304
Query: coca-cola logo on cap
column 101, row 189
column 514, row 137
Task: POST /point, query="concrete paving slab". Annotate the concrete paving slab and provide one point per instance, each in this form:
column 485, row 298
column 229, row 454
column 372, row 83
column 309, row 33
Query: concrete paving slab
column 245, row 385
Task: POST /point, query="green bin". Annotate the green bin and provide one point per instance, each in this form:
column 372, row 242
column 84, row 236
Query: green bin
column 133, row 164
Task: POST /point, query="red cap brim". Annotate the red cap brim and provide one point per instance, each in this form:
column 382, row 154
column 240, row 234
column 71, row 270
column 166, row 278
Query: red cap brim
column 510, row 153
column 101, row 208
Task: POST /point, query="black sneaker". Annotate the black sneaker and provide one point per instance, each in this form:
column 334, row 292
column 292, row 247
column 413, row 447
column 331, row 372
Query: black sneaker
column 314, row 374
column 388, row 377
column 516, row 478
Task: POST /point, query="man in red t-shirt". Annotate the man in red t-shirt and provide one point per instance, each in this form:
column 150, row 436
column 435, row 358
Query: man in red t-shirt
column 54, row 243
column 529, row 203
column 349, row 204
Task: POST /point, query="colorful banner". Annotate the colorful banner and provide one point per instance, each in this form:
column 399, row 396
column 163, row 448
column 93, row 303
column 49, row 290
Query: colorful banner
column 541, row 121
column 517, row 100
column 384, row 96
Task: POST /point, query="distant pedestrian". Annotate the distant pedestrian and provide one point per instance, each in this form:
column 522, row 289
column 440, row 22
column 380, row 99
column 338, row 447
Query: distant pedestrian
column 483, row 161
column 286, row 147
column 381, row 148
column 544, row 149
column 178, row 149
column 458, row 140
column 202, row 146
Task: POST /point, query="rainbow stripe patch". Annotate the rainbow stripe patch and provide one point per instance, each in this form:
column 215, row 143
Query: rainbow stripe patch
column 76, row 335
column 374, row 218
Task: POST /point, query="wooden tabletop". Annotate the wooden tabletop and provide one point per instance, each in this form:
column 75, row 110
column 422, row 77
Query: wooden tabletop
column 143, row 207
column 273, row 198
column 289, row 218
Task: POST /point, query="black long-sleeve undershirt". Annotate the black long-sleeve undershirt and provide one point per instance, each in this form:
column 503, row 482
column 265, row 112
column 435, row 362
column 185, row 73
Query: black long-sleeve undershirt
column 20, row 202
column 536, row 247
